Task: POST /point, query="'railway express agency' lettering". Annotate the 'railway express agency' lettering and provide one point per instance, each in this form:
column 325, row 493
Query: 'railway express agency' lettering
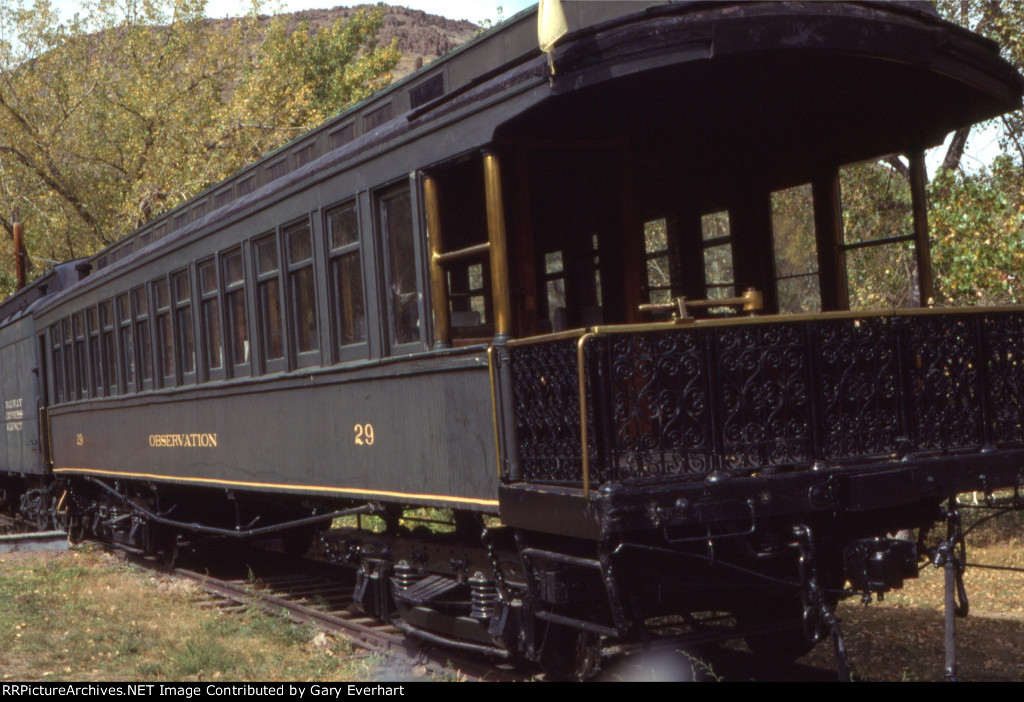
column 183, row 440
column 13, row 414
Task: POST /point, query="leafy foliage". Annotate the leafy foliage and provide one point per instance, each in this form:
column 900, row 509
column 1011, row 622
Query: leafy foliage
column 977, row 222
column 976, row 217
column 876, row 205
column 133, row 106
column 796, row 259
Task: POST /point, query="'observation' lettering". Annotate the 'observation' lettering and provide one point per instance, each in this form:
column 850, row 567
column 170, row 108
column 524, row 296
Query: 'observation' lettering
column 183, row 440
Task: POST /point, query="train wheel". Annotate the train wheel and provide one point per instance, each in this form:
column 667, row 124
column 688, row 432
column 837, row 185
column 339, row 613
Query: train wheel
column 76, row 530
column 570, row 654
column 167, row 548
column 170, row 555
column 61, row 520
column 782, row 616
column 296, row 542
column 44, row 521
column 783, row 646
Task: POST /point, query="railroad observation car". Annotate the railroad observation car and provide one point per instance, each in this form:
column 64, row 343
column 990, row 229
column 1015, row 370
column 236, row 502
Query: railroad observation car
column 501, row 287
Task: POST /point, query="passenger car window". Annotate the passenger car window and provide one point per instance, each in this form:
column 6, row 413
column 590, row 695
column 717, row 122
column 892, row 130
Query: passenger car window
column 796, row 261
column 143, row 342
column 719, row 276
column 127, row 351
column 164, row 332
column 302, row 294
column 268, row 301
column 81, row 362
column 96, row 385
column 58, row 362
column 185, row 343
column 346, row 277
column 209, row 311
column 403, row 292
column 234, row 307
column 109, row 344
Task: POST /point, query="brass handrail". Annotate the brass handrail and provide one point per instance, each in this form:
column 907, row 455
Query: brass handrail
column 460, row 253
column 751, row 301
column 581, row 373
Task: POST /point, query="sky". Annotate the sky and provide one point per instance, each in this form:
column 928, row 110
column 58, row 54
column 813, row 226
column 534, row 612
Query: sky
column 472, row 10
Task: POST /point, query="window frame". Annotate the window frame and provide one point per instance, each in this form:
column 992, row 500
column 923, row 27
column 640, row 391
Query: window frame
column 724, row 242
column 108, row 347
column 214, row 300
column 382, row 196
column 57, row 355
column 271, row 279
column 163, row 330
column 361, row 347
column 143, row 337
column 127, row 360
column 79, row 340
column 183, row 323
column 93, row 341
column 291, row 274
column 228, row 289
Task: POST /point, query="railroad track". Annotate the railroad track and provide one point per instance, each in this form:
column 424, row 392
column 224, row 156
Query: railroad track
column 17, row 534
column 10, row 524
column 320, row 595
column 33, row 541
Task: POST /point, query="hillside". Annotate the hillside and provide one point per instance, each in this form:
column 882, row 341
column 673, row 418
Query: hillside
column 420, row 35
column 103, row 131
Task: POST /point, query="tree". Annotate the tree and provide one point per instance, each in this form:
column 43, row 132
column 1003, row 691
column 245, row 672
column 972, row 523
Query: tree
column 133, row 106
column 796, row 258
column 976, row 219
column 877, row 205
column 977, row 222
column 975, row 216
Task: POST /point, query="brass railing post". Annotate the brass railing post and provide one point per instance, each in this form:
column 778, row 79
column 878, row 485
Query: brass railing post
column 581, row 370
column 438, row 284
column 498, row 250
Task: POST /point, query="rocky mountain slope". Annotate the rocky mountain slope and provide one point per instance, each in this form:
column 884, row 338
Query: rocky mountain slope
column 420, row 35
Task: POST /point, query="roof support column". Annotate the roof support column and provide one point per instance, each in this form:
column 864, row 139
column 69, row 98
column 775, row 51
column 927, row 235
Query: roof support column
column 922, row 244
column 828, row 233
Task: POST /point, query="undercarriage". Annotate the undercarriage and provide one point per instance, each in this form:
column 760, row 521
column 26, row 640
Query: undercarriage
column 467, row 581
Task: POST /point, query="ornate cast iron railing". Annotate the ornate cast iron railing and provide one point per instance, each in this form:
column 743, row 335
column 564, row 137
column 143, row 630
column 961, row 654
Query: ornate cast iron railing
column 768, row 395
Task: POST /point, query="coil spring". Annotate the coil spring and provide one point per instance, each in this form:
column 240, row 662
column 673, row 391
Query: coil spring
column 404, row 574
column 483, row 596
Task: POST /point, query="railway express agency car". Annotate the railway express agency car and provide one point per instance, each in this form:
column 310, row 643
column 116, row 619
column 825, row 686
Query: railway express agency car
column 503, row 287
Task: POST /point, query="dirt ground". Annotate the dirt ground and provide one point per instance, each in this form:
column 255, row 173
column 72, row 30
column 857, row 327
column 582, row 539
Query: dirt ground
column 902, row 637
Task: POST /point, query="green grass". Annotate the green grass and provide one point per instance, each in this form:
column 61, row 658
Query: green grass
column 83, row 616
column 439, row 521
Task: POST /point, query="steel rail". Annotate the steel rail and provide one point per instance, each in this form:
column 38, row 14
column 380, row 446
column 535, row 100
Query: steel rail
column 292, row 595
column 34, row 541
